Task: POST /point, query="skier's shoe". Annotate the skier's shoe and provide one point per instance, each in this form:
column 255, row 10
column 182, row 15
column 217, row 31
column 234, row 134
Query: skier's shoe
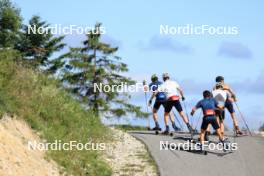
column 191, row 130
column 156, row 129
column 238, row 132
column 226, row 145
column 166, row 132
column 177, row 129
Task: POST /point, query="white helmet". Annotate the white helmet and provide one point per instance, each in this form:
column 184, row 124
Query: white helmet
column 165, row 75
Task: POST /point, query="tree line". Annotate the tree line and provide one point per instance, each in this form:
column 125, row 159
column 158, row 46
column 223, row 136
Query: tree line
column 79, row 68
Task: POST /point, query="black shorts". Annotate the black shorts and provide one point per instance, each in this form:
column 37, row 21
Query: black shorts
column 209, row 120
column 229, row 106
column 170, row 104
column 220, row 114
column 157, row 104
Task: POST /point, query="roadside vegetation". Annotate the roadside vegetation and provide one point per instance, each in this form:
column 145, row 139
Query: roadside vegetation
column 53, row 91
column 55, row 115
column 127, row 127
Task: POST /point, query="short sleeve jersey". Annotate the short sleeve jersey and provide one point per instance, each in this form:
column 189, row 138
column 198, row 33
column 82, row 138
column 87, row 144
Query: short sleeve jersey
column 207, row 104
column 170, row 88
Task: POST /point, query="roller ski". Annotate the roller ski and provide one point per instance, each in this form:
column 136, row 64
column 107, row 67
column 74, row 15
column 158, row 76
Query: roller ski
column 191, row 130
column 202, row 152
column 199, row 150
column 164, row 133
column 239, row 133
column 156, row 129
column 226, row 145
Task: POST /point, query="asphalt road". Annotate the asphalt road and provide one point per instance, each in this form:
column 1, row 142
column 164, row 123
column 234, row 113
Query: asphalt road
column 247, row 160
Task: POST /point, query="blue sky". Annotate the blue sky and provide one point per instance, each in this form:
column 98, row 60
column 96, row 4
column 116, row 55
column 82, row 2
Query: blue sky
column 134, row 26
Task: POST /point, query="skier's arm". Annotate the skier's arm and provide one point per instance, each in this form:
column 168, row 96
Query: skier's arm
column 154, row 93
column 193, row 111
column 181, row 93
column 233, row 94
column 228, row 88
column 195, row 108
column 151, row 98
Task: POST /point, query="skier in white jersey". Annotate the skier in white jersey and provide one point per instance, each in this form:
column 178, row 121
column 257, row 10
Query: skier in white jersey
column 229, row 103
column 221, row 97
column 173, row 93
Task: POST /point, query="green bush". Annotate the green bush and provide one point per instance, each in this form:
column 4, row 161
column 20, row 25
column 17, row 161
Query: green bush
column 47, row 108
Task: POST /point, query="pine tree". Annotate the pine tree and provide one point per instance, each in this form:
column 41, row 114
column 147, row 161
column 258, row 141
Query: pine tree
column 38, row 47
column 10, row 23
column 96, row 63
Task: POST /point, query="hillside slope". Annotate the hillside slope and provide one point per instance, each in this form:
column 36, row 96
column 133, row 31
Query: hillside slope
column 41, row 102
column 16, row 158
column 47, row 113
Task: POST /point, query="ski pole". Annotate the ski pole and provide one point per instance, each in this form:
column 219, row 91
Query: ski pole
column 188, row 119
column 146, row 100
column 234, row 134
column 186, row 111
column 242, row 117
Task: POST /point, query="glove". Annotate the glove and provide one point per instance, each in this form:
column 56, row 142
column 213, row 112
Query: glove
column 183, row 98
column 192, row 113
column 149, row 102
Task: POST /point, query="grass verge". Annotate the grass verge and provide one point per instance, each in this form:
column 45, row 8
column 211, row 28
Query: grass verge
column 54, row 114
column 126, row 127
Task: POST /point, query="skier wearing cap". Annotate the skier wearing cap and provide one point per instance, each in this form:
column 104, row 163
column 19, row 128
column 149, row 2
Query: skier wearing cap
column 173, row 93
column 160, row 99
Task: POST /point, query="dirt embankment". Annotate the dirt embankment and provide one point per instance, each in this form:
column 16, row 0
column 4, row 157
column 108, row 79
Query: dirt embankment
column 129, row 157
column 126, row 155
column 16, row 158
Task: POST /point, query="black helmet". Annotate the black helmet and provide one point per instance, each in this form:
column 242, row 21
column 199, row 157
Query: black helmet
column 154, row 78
column 207, row 94
column 219, row 79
